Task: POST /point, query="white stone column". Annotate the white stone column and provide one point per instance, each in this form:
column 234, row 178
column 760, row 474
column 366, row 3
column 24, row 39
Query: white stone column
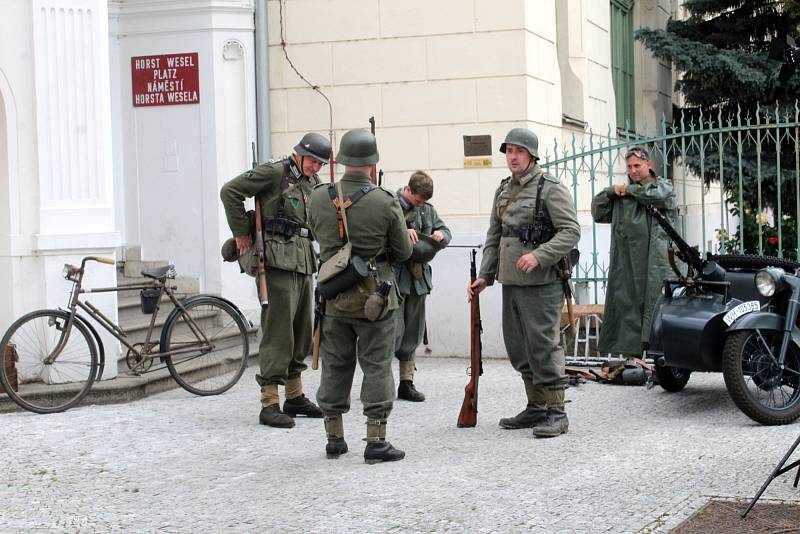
column 73, row 136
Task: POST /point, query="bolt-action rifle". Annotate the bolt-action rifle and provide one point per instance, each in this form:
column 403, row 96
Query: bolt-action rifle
column 318, row 304
column 263, row 294
column 468, row 416
column 376, row 179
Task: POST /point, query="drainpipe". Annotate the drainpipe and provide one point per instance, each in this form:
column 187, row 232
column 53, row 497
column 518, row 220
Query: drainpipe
column 262, row 82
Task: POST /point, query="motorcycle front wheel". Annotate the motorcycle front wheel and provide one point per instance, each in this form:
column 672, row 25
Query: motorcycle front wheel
column 758, row 385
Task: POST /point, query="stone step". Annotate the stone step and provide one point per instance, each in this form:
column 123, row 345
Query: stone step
column 123, row 388
column 129, row 308
column 184, row 284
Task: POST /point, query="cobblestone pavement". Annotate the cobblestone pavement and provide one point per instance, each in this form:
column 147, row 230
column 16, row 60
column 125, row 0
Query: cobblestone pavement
column 634, row 461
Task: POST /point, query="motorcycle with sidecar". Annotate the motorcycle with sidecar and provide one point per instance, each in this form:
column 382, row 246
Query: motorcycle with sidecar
column 736, row 315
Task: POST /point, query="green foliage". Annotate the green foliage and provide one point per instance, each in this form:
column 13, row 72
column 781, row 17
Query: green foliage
column 729, row 54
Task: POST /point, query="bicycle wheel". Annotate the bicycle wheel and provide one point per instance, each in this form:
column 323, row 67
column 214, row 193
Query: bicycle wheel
column 49, row 387
column 210, row 338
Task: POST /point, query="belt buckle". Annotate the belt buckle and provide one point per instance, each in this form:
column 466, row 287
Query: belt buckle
column 303, row 232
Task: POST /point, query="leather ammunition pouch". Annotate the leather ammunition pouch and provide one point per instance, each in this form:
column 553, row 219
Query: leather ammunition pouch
column 537, row 233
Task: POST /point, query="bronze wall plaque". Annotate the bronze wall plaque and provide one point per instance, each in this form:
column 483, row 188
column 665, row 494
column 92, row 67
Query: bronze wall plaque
column 477, row 145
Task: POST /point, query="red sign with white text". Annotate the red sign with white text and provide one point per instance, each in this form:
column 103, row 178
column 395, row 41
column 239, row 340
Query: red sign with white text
column 165, row 80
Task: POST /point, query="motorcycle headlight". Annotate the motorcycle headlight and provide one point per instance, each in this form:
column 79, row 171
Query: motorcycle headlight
column 769, row 281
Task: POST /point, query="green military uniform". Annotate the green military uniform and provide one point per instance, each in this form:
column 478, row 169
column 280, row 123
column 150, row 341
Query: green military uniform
column 532, row 302
column 375, row 229
column 415, row 281
column 289, row 257
column 635, row 277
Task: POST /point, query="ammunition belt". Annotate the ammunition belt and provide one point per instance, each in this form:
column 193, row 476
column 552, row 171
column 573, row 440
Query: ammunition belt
column 536, row 233
column 285, row 227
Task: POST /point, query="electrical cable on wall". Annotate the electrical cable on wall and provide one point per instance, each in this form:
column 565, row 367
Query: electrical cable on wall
column 311, row 85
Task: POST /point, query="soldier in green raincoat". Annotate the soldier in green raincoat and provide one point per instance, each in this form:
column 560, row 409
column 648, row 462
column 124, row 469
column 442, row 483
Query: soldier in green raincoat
column 414, row 277
column 638, row 257
column 284, row 186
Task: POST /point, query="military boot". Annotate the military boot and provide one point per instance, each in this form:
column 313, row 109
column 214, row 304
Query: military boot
column 555, row 425
column 378, row 449
column 535, row 411
column 297, row 403
column 334, row 428
column 271, row 414
column 556, row 422
column 406, row 389
column 301, row 406
column 532, row 415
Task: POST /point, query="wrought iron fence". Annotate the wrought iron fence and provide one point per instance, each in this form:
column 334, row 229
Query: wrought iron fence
column 735, row 178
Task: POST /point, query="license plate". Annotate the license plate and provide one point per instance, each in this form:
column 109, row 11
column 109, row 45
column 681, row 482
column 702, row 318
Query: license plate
column 742, row 309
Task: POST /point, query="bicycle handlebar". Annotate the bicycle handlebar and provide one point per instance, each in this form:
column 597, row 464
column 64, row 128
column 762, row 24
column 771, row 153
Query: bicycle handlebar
column 108, row 261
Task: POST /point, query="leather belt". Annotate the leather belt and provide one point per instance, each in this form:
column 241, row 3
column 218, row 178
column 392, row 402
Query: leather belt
column 286, row 228
column 509, row 231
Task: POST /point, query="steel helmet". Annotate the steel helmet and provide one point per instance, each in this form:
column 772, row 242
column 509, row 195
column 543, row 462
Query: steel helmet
column 524, row 138
column 425, row 249
column 358, row 148
column 315, row 145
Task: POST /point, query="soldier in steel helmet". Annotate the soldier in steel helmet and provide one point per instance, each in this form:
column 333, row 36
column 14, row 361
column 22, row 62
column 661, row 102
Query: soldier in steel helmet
column 370, row 219
column 533, row 224
column 284, row 186
column 414, row 277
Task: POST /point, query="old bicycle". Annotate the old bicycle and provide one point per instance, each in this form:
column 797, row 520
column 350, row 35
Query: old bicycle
column 58, row 353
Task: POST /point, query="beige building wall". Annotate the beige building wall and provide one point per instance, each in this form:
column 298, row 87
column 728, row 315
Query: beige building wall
column 431, row 72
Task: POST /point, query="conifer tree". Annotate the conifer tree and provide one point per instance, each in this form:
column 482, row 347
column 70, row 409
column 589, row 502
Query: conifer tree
column 735, row 61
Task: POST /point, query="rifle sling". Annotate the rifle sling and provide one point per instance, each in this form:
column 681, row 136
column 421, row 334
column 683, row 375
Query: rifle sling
column 341, row 205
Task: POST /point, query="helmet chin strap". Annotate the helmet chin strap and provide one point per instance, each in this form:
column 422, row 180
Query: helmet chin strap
column 520, row 174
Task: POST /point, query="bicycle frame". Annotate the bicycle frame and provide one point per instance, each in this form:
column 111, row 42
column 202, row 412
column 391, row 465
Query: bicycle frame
column 75, row 275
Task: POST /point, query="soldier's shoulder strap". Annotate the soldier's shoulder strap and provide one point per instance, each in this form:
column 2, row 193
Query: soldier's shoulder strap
column 352, row 199
column 550, row 178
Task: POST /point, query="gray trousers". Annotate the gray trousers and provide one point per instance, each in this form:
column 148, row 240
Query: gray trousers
column 410, row 326
column 531, row 320
column 346, row 341
column 285, row 327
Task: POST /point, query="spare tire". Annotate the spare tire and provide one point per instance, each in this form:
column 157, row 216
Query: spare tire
column 753, row 262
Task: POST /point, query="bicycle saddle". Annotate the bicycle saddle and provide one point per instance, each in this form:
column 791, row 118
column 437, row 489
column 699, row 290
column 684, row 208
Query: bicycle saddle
column 168, row 271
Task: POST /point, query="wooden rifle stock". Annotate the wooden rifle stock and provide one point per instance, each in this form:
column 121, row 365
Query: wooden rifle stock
column 263, row 294
column 468, row 417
